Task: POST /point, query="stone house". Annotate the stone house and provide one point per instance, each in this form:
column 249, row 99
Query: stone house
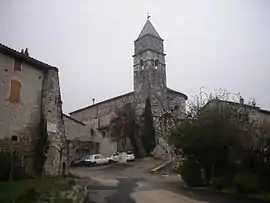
column 29, row 95
column 149, row 72
column 255, row 113
column 79, row 138
column 258, row 126
column 259, row 118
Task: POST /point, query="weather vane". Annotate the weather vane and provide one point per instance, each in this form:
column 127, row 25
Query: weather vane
column 148, row 16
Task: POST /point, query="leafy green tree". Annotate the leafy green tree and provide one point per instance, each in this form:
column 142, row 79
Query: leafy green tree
column 226, row 141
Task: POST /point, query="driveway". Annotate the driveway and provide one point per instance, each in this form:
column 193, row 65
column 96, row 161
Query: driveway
column 132, row 183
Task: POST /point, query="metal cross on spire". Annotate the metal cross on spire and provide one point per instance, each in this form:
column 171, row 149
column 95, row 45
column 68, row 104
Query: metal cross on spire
column 148, row 16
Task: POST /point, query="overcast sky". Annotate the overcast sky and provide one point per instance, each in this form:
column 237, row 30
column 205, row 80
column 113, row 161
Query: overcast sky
column 209, row 43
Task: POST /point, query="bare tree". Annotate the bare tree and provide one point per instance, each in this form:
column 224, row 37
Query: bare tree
column 124, row 126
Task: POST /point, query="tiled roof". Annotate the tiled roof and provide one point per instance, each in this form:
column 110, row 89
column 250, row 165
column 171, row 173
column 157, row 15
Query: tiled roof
column 26, row 59
column 107, row 100
column 148, row 29
column 174, row 91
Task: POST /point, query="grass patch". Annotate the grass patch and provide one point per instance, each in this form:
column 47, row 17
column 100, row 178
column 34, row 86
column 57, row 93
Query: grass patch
column 229, row 190
column 259, row 196
column 28, row 191
column 262, row 196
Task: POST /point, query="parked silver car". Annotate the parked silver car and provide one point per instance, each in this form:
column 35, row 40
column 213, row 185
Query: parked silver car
column 96, row 159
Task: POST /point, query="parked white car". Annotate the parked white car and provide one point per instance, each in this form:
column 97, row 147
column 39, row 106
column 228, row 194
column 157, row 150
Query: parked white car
column 130, row 156
column 96, row 159
column 116, row 157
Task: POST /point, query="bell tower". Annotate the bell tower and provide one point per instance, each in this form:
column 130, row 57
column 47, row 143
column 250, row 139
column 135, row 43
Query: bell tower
column 150, row 75
column 150, row 69
column 149, row 60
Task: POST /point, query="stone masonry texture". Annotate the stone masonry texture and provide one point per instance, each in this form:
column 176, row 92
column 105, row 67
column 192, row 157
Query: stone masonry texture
column 39, row 96
column 52, row 111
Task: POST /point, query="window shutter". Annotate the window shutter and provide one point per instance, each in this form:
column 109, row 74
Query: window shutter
column 15, row 91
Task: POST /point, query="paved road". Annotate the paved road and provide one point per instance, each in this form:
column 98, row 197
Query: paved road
column 132, row 183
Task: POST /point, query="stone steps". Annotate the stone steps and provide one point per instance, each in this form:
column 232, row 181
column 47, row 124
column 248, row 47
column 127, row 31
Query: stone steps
column 163, row 168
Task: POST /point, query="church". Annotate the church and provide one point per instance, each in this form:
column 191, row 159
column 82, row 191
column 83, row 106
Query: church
column 149, row 73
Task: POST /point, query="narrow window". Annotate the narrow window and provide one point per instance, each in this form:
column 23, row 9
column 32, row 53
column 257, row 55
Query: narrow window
column 92, row 131
column 103, row 133
column 141, row 64
column 15, row 91
column 156, row 62
column 17, row 65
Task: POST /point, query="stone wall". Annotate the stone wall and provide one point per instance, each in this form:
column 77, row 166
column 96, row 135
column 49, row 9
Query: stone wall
column 262, row 116
column 20, row 121
column 97, row 119
column 78, row 148
column 82, row 140
column 76, row 130
column 102, row 109
column 148, row 42
column 255, row 113
column 38, row 95
column 176, row 103
column 52, row 112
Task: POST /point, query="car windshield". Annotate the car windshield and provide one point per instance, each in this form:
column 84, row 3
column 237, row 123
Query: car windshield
column 87, row 157
column 129, row 153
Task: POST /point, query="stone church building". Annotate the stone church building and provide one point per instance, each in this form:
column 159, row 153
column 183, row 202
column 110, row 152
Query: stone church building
column 149, row 73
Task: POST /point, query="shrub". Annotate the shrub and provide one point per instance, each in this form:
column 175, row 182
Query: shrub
column 246, row 183
column 5, row 166
column 30, row 191
column 11, row 167
column 191, row 172
column 222, row 182
column 71, row 182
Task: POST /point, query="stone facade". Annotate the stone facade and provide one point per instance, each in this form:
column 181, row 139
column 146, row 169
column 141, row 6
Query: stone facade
column 97, row 118
column 103, row 110
column 75, row 129
column 79, row 138
column 149, row 71
column 256, row 114
column 29, row 90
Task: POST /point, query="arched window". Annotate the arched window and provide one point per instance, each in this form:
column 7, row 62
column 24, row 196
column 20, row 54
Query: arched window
column 141, row 64
column 15, row 91
column 156, row 62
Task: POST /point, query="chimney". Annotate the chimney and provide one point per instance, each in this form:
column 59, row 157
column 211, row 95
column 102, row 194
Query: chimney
column 241, row 100
column 26, row 52
column 22, row 51
column 93, row 100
